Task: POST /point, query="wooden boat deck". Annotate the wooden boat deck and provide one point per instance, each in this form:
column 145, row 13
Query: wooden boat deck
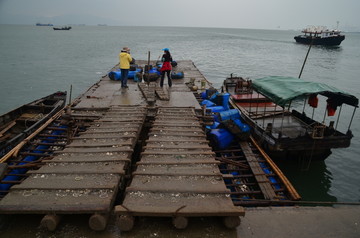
column 265, row 112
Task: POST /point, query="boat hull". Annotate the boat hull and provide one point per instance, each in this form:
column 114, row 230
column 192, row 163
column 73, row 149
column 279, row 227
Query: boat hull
column 329, row 41
column 294, row 148
column 19, row 123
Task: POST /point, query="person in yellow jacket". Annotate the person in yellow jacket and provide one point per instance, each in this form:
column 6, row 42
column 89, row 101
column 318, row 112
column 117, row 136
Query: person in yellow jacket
column 125, row 60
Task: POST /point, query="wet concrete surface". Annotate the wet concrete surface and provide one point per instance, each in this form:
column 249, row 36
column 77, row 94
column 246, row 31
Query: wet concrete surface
column 316, row 222
column 273, row 222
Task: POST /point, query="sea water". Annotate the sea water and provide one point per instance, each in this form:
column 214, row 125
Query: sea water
column 36, row 61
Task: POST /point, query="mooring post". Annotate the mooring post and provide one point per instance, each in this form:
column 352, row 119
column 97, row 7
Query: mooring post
column 70, row 94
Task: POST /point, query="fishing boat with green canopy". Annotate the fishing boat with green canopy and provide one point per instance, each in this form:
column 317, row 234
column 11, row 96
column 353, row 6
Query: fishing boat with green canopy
column 281, row 111
column 283, row 90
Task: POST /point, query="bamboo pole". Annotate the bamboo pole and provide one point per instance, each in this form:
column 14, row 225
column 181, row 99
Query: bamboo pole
column 7, row 128
column 293, row 193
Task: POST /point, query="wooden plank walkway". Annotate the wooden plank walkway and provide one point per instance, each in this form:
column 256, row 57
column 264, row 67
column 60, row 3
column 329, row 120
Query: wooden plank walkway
column 259, row 173
column 173, row 184
column 86, row 175
column 177, row 174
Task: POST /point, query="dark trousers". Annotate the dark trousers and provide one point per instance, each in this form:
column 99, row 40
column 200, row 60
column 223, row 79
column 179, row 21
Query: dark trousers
column 124, row 77
column 163, row 76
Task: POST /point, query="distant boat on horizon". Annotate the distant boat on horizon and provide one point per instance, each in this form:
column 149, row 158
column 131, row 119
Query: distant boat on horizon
column 41, row 24
column 62, row 28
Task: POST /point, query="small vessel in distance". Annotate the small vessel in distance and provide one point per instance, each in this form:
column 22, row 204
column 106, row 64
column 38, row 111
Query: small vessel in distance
column 320, row 35
column 62, row 28
column 41, row 24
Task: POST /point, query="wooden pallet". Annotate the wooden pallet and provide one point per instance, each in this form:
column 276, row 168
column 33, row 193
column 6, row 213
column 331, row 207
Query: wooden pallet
column 177, row 176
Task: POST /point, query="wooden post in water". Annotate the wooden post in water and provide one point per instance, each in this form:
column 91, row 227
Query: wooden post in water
column 148, row 72
column 70, row 94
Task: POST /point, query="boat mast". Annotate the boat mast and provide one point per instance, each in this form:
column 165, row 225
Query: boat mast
column 307, row 54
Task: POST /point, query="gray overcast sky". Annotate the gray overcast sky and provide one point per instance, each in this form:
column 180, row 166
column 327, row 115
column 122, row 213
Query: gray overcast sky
column 256, row 14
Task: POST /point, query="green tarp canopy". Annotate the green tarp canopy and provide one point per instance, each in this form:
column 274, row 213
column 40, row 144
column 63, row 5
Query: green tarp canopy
column 282, row 90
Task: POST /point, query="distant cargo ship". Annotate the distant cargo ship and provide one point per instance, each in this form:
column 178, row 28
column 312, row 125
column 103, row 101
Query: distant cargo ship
column 41, row 24
column 62, row 28
column 320, row 36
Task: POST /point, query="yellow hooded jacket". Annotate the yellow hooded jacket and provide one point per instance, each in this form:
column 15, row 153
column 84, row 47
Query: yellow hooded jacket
column 125, row 59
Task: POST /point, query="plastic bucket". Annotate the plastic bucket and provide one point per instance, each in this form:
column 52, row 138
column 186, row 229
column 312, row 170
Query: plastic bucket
column 136, row 79
column 154, row 70
column 213, row 97
column 213, row 126
column 148, row 67
column 225, row 100
column 243, row 127
column 217, row 109
column 178, row 75
column 221, row 99
column 207, row 103
column 229, row 114
column 221, row 138
column 115, row 75
column 215, row 112
column 210, row 92
column 132, row 73
column 203, row 95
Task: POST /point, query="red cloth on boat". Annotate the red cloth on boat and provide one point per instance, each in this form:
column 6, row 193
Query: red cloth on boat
column 331, row 107
column 313, row 100
column 166, row 66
